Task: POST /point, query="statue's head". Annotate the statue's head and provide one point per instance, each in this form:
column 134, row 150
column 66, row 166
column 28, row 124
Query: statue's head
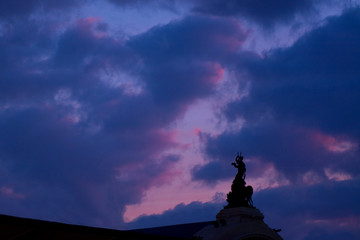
column 239, row 158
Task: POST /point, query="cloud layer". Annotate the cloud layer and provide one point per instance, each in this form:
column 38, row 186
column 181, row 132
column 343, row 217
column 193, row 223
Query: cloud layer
column 92, row 119
column 260, row 11
column 300, row 111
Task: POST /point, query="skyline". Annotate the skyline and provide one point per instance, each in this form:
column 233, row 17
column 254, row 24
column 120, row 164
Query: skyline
column 128, row 114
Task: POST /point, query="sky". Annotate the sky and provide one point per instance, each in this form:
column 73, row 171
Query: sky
column 127, row 114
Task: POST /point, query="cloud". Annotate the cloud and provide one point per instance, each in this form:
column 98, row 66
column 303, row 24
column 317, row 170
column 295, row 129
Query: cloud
column 260, row 11
column 196, row 35
column 17, row 8
column 302, row 212
column 68, row 165
column 77, row 148
column 313, row 81
column 293, row 151
column 79, row 145
column 88, row 44
column 181, row 213
column 167, row 4
column 43, row 59
column 211, row 172
column 326, row 209
column 86, row 116
column 300, row 112
column 183, row 59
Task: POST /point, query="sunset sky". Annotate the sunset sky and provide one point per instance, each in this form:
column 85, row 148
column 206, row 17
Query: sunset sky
column 128, row 113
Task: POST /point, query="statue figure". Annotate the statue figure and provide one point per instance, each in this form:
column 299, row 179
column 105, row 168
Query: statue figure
column 240, row 165
column 240, row 194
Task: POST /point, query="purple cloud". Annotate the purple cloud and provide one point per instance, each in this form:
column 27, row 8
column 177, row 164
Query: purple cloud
column 71, row 136
column 77, row 166
column 79, row 147
column 87, row 115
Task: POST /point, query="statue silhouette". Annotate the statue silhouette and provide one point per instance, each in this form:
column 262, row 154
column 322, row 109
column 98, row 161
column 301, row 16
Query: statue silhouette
column 240, row 165
column 240, row 195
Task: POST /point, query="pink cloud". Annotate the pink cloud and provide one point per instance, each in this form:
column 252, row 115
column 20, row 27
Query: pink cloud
column 217, row 72
column 160, row 199
column 311, row 178
column 92, row 24
column 334, row 144
column 87, row 22
column 337, row 175
column 197, row 131
column 166, row 177
column 9, row 192
column 230, row 41
column 268, row 175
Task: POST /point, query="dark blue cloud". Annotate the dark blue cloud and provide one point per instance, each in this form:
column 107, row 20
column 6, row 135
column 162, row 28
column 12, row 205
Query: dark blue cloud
column 89, row 46
column 212, row 172
column 261, row 11
column 77, row 148
column 20, row 43
column 183, row 59
column 38, row 60
column 329, row 208
column 205, row 37
column 323, row 234
column 190, row 213
column 166, row 4
column 297, row 94
column 59, row 167
column 17, row 8
column 314, row 82
column 317, row 200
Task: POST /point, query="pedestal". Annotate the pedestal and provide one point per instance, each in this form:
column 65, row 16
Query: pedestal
column 238, row 224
